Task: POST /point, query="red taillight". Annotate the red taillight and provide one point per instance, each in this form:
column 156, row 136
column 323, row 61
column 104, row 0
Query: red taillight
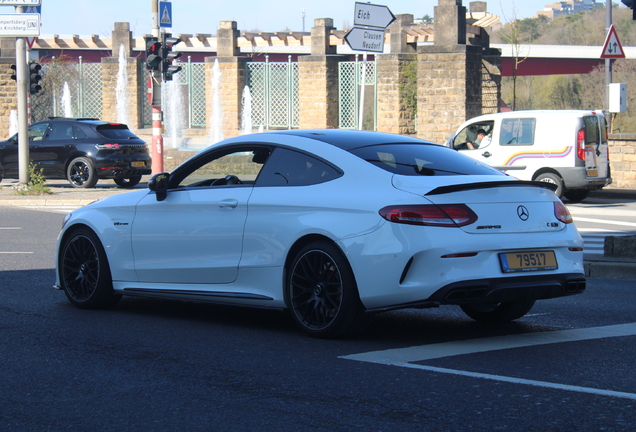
column 580, row 144
column 109, row 146
column 562, row 213
column 446, row 215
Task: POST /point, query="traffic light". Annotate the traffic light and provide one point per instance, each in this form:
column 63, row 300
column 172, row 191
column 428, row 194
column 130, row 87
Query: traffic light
column 630, row 4
column 153, row 53
column 34, row 78
column 168, row 69
column 14, row 76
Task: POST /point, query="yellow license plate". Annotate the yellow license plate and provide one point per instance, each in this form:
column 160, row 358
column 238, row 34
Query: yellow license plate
column 592, row 173
column 140, row 164
column 528, row 261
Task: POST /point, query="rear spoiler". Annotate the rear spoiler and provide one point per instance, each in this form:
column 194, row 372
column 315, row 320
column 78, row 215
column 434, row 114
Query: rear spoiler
column 489, row 185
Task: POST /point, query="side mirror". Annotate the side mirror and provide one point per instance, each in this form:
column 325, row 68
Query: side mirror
column 159, row 185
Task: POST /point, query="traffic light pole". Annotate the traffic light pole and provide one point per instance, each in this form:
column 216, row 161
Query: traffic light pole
column 157, row 114
column 22, row 79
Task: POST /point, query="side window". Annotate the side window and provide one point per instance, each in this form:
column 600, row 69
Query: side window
column 291, row 168
column 60, row 132
column 79, row 134
column 37, row 132
column 473, row 136
column 517, row 131
column 225, row 169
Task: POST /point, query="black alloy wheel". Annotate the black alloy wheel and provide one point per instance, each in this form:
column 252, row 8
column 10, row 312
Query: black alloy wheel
column 84, row 271
column 322, row 293
column 81, row 173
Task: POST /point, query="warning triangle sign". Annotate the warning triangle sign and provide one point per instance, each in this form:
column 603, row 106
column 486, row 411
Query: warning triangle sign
column 612, row 48
column 165, row 16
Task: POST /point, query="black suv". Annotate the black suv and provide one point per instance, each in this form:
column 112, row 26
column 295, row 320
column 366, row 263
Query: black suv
column 82, row 151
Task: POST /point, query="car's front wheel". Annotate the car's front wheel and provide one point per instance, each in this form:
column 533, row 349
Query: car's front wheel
column 81, row 173
column 127, row 183
column 321, row 292
column 498, row 312
column 84, row 271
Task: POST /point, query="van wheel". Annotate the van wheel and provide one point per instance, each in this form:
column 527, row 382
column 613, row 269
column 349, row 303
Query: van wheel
column 576, row 195
column 554, row 179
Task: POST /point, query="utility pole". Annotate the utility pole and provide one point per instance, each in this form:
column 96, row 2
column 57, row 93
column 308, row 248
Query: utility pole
column 22, row 73
column 608, row 61
column 157, row 114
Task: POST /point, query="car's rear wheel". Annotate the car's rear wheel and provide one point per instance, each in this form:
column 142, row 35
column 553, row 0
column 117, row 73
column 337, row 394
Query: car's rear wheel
column 84, row 271
column 554, row 179
column 321, row 292
column 127, row 183
column 81, row 173
column 498, row 312
column 576, row 195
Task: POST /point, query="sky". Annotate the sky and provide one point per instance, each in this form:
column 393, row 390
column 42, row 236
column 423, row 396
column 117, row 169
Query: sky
column 86, row 17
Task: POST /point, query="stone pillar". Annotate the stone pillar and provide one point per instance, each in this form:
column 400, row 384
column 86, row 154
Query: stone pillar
column 450, row 23
column 232, row 80
column 397, row 82
column 318, row 80
column 8, row 88
column 135, row 89
column 449, row 89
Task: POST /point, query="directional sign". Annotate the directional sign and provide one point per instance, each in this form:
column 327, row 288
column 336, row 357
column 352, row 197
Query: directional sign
column 371, row 15
column 612, row 48
column 20, row 2
column 361, row 39
column 165, row 14
column 19, row 25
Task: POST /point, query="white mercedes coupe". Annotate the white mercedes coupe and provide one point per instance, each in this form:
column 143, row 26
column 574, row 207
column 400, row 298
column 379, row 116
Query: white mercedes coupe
column 332, row 225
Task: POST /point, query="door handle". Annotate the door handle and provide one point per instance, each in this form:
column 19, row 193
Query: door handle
column 228, row 203
column 486, row 154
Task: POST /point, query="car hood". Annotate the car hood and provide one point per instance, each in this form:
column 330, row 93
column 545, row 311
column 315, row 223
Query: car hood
column 502, row 204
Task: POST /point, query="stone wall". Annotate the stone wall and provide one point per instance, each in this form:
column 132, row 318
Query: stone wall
column 622, row 150
column 8, row 96
column 135, row 88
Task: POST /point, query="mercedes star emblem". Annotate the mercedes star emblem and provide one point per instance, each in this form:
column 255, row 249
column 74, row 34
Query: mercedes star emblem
column 523, row 213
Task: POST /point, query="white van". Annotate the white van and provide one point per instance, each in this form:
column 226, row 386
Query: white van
column 565, row 147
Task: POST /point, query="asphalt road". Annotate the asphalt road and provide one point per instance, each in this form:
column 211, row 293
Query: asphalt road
column 155, row 365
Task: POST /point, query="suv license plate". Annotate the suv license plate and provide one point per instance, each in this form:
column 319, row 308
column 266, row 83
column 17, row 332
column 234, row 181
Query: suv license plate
column 528, row 261
column 138, row 164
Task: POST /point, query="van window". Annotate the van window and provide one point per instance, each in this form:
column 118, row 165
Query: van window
column 469, row 134
column 517, row 131
column 591, row 129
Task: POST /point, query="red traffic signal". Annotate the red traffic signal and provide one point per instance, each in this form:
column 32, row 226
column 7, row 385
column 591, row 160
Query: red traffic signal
column 153, row 53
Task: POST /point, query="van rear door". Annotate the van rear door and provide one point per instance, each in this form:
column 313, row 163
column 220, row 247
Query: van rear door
column 592, row 146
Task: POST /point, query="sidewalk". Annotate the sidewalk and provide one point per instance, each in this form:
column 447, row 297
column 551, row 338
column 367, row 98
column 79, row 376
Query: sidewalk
column 596, row 266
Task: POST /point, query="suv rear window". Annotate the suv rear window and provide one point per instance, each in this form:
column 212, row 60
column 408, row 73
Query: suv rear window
column 115, row 131
column 422, row 159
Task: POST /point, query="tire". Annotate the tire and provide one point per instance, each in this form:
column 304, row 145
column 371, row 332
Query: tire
column 498, row 312
column 554, row 179
column 321, row 292
column 127, row 183
column 576, row 195
column 84, row 271
column 81, row 173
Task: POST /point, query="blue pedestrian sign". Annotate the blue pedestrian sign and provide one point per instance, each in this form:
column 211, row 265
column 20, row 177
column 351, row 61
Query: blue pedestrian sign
column 165, row 14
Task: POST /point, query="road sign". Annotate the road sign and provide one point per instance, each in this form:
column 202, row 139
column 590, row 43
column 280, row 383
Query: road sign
column 361, row 39
column 372, row 15
column 165, row 14
column 612, row 48
column 20, row 2
column 19, row 25
column 30, row 41
column 150, row 90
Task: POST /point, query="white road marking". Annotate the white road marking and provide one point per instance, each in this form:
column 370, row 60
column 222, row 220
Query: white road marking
column 405, row 357
column 605, row 221
column 10, row 228
column 16, row 252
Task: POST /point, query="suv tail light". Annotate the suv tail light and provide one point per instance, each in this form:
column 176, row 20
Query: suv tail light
column 580, row 144
column 446, row 215
column 562, row 213
column 114, row 146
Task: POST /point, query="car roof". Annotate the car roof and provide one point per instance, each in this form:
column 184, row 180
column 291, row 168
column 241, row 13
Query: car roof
column 82, row 120
column 351, row 139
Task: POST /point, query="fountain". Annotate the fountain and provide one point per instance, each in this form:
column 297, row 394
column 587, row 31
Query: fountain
column 121, row 92
column 246, row 112
column 175, row 112
column 216, row 118
column 13, row 123
column 66, row 101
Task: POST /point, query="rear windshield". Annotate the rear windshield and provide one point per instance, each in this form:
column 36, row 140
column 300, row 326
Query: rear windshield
column 591, row 129
column 116, row 131
column 422, row 160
